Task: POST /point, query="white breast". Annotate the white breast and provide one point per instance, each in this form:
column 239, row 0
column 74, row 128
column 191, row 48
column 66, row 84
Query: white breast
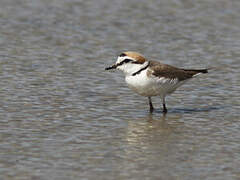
column 152, row 86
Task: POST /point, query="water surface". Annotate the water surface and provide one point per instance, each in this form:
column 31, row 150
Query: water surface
column 63, row 117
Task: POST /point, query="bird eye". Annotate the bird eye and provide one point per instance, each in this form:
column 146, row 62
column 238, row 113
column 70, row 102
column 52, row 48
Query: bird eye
column 122, row 55
column 127, row 60
column 124, row 61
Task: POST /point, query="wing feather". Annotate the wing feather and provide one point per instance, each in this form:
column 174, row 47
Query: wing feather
column 169, row 72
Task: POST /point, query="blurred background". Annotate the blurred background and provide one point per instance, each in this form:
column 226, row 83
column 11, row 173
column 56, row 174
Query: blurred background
column 63, row 117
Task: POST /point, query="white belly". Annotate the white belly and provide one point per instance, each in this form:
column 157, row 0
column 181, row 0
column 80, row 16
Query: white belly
column 152, row 86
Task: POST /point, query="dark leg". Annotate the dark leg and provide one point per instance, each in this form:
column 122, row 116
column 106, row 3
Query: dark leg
column 150, row 104
column 164, row 106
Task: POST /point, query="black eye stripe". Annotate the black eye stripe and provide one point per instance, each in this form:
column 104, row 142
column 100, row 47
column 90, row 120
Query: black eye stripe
column 122, row 55
column 127, row 60
column 136, row 62
column 124, row 61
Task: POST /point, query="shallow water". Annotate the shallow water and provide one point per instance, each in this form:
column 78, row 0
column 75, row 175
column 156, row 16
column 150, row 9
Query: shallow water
column 63, row 117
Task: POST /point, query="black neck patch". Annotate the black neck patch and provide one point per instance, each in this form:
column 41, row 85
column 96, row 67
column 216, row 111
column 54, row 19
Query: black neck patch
column 140, row 70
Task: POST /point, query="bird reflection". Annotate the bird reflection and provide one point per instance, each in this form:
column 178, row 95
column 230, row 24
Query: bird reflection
column 151, row 129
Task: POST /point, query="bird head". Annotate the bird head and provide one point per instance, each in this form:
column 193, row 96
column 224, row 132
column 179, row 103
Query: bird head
column 129, row 62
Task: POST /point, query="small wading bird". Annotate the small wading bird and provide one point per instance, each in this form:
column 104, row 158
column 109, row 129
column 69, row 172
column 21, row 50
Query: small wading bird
column 152, row 78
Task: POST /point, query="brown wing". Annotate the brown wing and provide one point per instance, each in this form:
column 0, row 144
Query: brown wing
column 171, row 72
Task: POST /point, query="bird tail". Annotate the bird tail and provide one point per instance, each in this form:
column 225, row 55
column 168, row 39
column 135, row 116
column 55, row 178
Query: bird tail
column 195, row 72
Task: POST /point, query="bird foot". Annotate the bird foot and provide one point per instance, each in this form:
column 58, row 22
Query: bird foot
column 164, row 111
column 151, row 109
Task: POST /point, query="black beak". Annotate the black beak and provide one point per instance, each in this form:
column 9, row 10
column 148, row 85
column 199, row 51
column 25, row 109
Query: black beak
column 111, row 67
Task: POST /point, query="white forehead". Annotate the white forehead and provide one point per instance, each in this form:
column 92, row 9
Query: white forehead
column 122, row 58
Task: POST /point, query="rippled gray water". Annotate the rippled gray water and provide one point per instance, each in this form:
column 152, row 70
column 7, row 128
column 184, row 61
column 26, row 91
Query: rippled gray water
column 62, row 117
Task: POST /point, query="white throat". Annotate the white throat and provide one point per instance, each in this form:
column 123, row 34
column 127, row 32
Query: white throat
column 130, row 69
